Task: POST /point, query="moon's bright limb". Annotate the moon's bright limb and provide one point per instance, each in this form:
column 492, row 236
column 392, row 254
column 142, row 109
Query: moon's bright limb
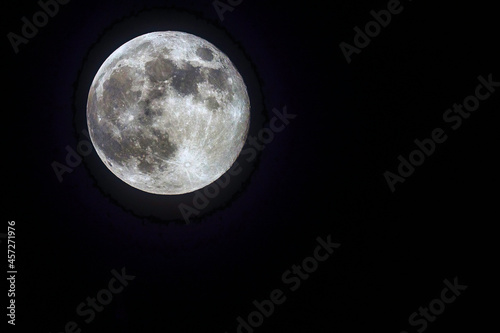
column 168, row 113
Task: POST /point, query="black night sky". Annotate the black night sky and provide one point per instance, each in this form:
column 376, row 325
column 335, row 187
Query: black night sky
column 320, row 177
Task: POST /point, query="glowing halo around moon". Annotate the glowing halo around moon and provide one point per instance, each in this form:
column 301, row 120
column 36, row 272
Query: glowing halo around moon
column 168, row 113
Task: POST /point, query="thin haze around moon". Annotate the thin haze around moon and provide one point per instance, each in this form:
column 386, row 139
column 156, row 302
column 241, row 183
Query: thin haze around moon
column 168, row 113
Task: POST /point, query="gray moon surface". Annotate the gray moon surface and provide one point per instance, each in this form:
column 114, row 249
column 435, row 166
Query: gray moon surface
column 168, row 113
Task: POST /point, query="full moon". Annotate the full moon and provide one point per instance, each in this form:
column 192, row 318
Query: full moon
column 168, row 113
